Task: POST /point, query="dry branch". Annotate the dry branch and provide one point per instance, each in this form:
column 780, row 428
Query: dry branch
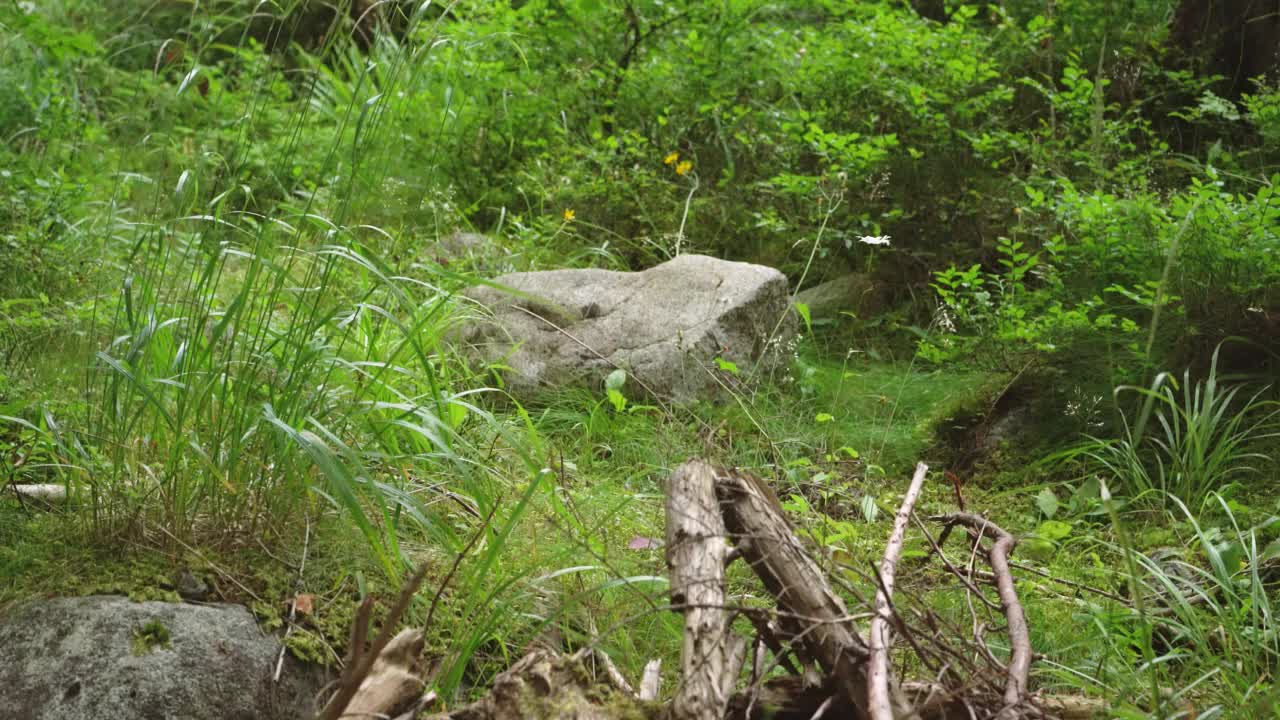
column 361, row 661
column 715, row 516
column 696, row 552
column 765, row 539
column 394, row 681
column 651, row 680
column 46, row 493
column 1019, row 638
column 879, row 703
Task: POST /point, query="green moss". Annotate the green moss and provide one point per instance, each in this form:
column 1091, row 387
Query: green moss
column 151, row 636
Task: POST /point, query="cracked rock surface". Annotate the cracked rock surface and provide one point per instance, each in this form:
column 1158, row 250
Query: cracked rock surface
column 665, row 326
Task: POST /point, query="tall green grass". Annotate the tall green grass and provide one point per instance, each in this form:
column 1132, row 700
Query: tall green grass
column 1186, row 440
column 252, row 350
column 1199, row 637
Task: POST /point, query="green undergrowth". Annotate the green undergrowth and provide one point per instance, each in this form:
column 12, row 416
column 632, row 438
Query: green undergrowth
column 586, row 560
column 227, row 297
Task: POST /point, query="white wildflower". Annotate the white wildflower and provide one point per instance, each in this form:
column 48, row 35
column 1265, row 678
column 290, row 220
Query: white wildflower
column 874, row 239
column 945, row 321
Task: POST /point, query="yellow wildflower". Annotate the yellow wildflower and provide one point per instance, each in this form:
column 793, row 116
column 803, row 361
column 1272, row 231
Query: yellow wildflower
column 569, row 215
column 684, row 167
column 671, row 159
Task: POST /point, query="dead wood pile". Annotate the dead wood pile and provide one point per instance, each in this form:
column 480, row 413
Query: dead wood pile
column 806, row 657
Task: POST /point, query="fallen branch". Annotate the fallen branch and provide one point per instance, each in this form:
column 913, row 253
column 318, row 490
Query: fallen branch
column 764, row 537
column 715, row 516
column 46, row 494
column 879, row 704
column 394, row 681
column 651, row 680
column 696, row 551
column 1019, row 638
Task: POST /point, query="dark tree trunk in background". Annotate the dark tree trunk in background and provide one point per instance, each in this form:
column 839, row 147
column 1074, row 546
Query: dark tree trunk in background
column 1237, row 39
column 935, row 10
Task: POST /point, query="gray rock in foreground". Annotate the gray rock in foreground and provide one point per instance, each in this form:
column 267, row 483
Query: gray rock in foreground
column 78, row 659
column 666, row 326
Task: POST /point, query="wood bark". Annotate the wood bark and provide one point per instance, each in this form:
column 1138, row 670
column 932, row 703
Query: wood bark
column 696, row 552
column 765, row 540
column 880, row 702
column 394, row 682
column 708, row 509
column 47, row 494
column 1019, row 637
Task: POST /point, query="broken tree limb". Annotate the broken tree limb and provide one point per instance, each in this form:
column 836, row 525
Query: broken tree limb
column 395, row 680
column 651, row 680
column 546, row 686
column 1019, row 637
column 696, row 550
column 761, row 532
column 879, row 703
column 46, row 494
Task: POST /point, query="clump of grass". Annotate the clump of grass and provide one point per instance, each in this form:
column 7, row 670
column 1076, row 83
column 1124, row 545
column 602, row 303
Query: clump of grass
column 1199, row 636
column 1186, row 441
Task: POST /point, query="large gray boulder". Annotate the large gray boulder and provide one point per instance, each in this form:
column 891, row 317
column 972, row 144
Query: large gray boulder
column 665, row 326
column 101, row 657
column 855, row 293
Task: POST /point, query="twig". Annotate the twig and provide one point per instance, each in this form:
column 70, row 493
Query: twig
column 293, row 603
column 879, row 705
column 204, row 559
column 937, row 548
column 1070, row 583
column 823, row 708
column 1019, row 639
column 615, row 675
column 610, row 668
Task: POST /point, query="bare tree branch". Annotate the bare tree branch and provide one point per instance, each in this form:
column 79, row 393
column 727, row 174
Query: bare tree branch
column 760, row 530
column 1019, row 638
column 879, row 704
column 360, row 660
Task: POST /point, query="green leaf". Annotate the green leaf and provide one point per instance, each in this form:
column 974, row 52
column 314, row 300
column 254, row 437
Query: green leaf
column 804, row 315
column 727, row 366
column 1054, row 530
column 617, row 400
column 824, row 418
column 457, row 413
column 869, row 508
column 1271, row 552
column 1036, row 548
column 1047, row 501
